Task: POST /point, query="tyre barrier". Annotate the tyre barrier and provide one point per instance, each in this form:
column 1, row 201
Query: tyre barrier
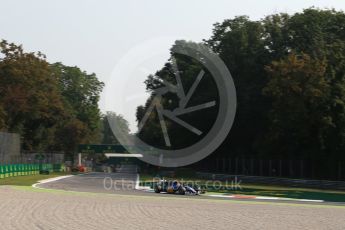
column 12, row 170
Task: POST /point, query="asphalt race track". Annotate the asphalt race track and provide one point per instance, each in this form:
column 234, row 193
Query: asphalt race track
column 115, row 183
column 124, row 183
column 86, row 202
column 32, row 208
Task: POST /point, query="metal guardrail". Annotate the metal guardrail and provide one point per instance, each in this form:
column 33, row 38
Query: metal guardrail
column 319, row 184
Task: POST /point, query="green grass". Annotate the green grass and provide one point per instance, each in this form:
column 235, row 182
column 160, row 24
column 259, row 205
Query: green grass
column 268, row 190
column 30, row 179
column 296, row 193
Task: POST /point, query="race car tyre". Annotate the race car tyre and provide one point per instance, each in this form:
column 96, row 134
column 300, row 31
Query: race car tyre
column 157, row 190
column 181, row 191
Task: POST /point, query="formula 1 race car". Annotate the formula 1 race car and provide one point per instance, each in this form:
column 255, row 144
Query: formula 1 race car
column 175, row 187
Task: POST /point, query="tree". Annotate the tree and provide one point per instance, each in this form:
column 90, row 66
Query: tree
column 80, row 92
column 241, row 44
column 53, row 107
column 188, row 69
column 289, row 74
column 29, row 97
column 299, row 115
column 108, row 136
column 320, row 35
column 72, row 133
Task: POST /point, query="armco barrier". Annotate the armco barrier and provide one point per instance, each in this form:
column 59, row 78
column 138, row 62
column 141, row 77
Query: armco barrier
column 302, row 183
column 11, row 170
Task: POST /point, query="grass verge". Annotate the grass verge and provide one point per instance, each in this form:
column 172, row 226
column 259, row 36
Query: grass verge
column 30, row 179
column 262, row 190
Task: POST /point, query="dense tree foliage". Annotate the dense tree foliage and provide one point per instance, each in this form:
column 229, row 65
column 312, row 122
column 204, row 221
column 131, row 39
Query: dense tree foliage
column 108, row 136
column 299, row 116
column 289, row 75
column 52, row 106
column 80, row 92
column 205, row 92
column 29, row 97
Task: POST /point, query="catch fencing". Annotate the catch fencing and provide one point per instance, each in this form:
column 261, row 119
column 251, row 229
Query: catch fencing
column 9, row 147
column 319, row 169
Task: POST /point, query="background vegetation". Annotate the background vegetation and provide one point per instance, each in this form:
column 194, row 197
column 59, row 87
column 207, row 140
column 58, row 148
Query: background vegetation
column 289, row 73
column 52, row 106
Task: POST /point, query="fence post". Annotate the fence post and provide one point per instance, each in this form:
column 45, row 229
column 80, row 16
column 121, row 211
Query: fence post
column 251, row 166
column 290, row 169
column 236, row 166
column 224, row 166
column 230, row 168
column 244, row 168
column 270, row 167
column 339, row 170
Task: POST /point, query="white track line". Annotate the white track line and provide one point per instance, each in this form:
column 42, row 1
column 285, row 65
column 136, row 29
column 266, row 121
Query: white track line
column 263, row 198
column 50, row 180
column 138, row 187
